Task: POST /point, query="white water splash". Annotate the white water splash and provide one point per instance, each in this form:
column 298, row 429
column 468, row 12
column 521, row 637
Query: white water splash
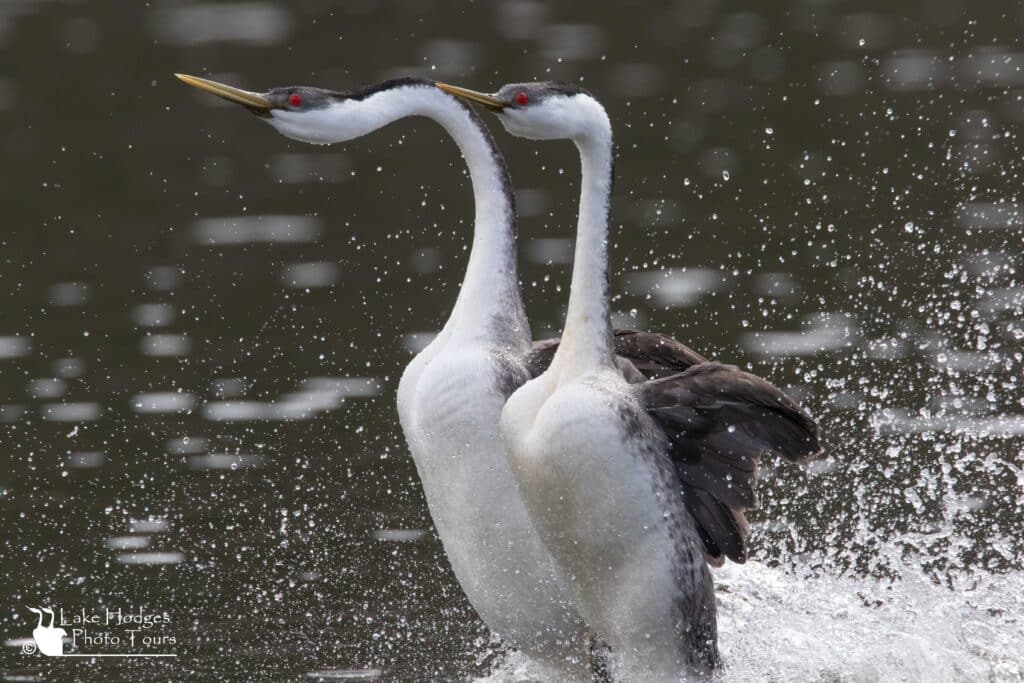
column 777, row 626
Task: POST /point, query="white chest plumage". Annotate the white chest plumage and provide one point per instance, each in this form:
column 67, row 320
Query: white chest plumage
column 592, row 469
column 599, row 503
column 449, row 402
column 450, row 405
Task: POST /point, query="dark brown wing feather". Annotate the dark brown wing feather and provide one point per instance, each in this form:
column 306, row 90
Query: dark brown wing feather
column 723, row 530
column 653, row 355
column 718, row 421
column 539, row 357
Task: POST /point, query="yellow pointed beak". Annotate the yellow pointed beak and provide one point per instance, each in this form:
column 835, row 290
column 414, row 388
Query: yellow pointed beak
column 252, row 100
column 473, row 96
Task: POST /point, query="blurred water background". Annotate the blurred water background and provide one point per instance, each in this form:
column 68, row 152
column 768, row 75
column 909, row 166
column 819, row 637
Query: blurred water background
column 203, row 324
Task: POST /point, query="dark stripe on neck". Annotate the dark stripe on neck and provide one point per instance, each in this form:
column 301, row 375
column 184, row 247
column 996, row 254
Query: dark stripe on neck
column 566, row 88
column 365, row 91
column 497, row 156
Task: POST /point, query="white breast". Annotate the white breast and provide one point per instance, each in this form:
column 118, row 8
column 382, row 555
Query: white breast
column 599, row 507
column 450, row 406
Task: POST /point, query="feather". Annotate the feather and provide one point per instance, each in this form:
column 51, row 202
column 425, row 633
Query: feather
column 653, row 355
column 717, row 422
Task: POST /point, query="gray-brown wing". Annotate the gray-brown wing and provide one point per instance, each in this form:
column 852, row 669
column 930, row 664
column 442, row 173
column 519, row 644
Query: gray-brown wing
column 653, row 355
column 718, row 421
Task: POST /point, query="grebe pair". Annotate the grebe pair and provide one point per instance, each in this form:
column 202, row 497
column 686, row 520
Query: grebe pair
column 574, row 484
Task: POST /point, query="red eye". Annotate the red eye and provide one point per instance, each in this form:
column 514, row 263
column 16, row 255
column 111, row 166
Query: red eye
column 522, row 99
column 295, row 100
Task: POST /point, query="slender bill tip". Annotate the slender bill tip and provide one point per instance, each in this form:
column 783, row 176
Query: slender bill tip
column 490, row 101
column 255, row 102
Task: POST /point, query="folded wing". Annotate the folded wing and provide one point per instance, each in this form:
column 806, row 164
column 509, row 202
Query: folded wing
column 652, row 355
column 718, row 421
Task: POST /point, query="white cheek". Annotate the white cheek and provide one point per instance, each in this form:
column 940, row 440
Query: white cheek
column 549, row 120
column 509, row 124
column 338, row 122
column 520, row 128
column 316, row 127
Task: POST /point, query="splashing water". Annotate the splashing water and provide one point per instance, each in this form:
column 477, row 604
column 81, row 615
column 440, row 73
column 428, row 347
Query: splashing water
column 779, row 626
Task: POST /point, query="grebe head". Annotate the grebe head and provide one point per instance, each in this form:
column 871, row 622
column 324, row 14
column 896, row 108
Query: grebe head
column 544, row 110
column 316, row 115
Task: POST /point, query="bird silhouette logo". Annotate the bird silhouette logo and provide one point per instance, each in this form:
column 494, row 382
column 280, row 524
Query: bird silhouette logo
column 48, row 639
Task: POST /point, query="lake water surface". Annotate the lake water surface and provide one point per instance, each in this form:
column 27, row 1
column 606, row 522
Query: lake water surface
column 203, row 324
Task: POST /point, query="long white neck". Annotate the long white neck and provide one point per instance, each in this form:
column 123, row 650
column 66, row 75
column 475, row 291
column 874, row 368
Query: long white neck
column 489, row 304
column 489, row 301
column 587, row 338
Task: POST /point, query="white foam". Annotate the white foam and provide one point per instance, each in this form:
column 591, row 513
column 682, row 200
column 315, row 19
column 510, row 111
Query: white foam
column 778, row 626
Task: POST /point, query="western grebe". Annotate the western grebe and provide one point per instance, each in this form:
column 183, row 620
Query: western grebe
column 633, row 485
column 451, row 394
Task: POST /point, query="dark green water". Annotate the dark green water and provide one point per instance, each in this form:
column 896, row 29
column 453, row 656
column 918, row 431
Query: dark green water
column 208, row 429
